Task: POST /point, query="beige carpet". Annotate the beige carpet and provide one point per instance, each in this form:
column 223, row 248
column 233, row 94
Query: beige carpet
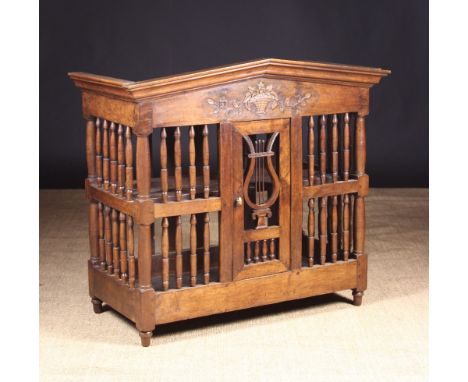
column 318, row 339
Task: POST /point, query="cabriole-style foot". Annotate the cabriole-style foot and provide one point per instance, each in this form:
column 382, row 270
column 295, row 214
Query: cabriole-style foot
column 145, row 338
column 97, row 305
column 357, row 297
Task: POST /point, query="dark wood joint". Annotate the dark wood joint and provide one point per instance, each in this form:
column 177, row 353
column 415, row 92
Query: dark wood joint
column 361, row 282
column 363, row 185
column 144, row 211
column 143, row 119
column 144, row 315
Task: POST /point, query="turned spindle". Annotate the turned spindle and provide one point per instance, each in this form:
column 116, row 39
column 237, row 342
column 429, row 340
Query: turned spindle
column 115, row 242
column 346, row 199
column 177, row 164
column 248, row 253
column 334, row 148
column 130, row 252
column 256, row 252
column 310, row 154
column 113, row 159
column 323, row 149
column 323, row 214
column 91, row 148
column 192, row 167
column 128, row 163
column 123, row 246
column 206, row 249
column 193, row 250
column 272, row 249
column 105, row 154
column 264, row 250
column 334, row 229
column 206, row 163
column 346, row 243
column 334, row 209
column 178, row 249
column 311, row 232
column 163, row 158
column 98, row 145
column 102, row 241
column 359, row 212
column 346, row 148
column 165, row 253
column 120, row 162
column 108, row 238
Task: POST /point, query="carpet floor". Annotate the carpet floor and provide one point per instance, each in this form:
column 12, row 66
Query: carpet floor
column 321, row 338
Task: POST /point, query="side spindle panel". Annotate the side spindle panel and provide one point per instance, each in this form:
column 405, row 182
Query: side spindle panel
column 113, row 159
column 193, row 250
column 102, row 242
column 98, row 153
column 346, row 201
column 334, row 214
column 192, row 167
column 105, row 155
column 120, row 162
column 163, row 158
column 165, row 253
column 115, row 243
column 178, row 164
column 108, row 238
column 123, row 246
column 178, row 249
column 128, row 163
column 323, row 229
column 323, row 149
column 206, row 163
column 131, row 253
column 206, row 249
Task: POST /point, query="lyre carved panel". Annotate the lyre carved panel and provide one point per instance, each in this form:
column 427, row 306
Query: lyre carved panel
column 261, row 178
column 261, row 171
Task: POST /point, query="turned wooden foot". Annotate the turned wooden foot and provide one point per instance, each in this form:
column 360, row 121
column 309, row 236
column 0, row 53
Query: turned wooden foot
column 357, row 297
column 145, row 338
column 97, row 305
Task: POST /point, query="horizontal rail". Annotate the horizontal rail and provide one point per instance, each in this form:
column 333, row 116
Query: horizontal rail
column 113, row 201
column 262, row 234
column 187, row 207
column 359, row 186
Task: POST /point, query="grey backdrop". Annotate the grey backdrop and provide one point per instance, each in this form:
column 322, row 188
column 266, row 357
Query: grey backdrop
column 138, row 40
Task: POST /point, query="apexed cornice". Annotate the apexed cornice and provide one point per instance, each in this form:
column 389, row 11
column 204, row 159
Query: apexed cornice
column 273, row 68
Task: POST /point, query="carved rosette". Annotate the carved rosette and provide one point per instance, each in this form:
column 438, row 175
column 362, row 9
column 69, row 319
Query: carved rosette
column 259, row 100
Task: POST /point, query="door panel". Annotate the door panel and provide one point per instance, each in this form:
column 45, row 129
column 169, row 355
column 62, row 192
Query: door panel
column 261, row 192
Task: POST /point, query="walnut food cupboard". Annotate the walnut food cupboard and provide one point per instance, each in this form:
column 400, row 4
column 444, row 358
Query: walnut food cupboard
column 226, row 188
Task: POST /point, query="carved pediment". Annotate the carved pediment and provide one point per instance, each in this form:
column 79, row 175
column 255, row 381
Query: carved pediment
column 260, row 99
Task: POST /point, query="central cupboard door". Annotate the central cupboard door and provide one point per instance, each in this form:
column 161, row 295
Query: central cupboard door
column 261, row 189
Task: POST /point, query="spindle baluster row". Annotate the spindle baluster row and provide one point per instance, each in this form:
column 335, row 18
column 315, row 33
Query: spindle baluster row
column 172, row 245
column 116, row 246
column 114, row 157
column 332, row 161
column 334, row 212
column 334, row 229
column 264, row 250
column 192, row 170
column 311, row 215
